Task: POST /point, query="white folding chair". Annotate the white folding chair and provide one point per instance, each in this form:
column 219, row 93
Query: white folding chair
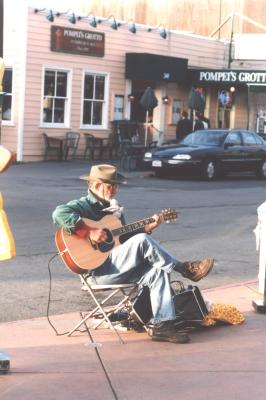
column 108, row 312
column 102, row 307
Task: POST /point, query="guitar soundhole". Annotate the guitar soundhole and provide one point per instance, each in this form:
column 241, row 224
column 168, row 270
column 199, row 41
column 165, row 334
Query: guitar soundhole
column 109, row 236
column 108, row 244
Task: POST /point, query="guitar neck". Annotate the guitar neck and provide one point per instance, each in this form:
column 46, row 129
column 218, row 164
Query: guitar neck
column 130, row 228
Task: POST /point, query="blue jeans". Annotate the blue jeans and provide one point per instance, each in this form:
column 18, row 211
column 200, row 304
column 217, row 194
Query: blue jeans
column 141, row 260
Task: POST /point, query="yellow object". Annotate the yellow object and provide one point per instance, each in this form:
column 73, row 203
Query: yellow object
column 224, row 313
column 7, row 244
column 6, row 158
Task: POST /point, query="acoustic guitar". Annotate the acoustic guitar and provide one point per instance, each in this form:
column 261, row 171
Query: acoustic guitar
column 81, row 255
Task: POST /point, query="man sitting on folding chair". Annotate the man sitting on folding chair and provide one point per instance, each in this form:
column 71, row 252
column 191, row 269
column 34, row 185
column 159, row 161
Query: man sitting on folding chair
column 140, row 259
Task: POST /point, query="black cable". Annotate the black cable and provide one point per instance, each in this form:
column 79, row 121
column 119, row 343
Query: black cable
column 49, row 300
column 49, row 297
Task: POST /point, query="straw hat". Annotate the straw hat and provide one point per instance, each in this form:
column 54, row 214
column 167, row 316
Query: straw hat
column 104, row 173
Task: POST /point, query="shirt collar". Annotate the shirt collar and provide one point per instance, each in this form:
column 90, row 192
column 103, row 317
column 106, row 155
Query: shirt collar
column 96, row 200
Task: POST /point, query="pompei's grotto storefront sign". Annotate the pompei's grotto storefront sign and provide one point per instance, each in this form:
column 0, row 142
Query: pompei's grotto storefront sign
column 229, row 76
column 228, row 84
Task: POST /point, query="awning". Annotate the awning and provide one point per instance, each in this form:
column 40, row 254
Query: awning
column 257, row 88
column 147, row 66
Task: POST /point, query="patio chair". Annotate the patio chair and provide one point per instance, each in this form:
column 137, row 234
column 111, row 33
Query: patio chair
column 71, row 144
column 127, row 158
column 98, row 145
column 131, row 154
column 90, row 146
column 52, row 145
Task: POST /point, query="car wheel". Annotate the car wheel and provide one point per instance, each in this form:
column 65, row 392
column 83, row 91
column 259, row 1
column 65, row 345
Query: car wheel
column 210, row 170
column 261, row 171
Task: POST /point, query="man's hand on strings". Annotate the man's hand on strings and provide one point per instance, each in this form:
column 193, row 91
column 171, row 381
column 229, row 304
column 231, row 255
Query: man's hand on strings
column 97, row 235
column 158, row 219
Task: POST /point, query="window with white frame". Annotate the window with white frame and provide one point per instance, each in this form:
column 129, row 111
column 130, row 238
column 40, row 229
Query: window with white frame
column 176, row 111
column 94, row 99
column 55, row 97
column 7, row 85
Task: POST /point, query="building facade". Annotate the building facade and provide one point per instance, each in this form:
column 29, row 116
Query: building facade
column 80, row 74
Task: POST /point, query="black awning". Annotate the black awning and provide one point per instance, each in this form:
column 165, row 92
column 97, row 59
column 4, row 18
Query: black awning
column 257, row 88
column 147, row 66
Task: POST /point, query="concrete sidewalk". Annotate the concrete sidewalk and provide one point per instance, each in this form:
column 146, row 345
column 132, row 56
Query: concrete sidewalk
column 223, row 362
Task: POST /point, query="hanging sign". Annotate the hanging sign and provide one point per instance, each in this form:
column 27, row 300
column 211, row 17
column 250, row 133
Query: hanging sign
column 77, row 41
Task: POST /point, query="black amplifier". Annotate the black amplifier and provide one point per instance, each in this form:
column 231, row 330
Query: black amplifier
column 189, row 304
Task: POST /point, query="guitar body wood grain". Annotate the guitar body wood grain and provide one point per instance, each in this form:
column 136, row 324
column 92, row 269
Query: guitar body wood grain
column 78, row 253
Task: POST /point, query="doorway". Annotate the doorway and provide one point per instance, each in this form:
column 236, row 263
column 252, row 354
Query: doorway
column 137, row 112
column 225, row 102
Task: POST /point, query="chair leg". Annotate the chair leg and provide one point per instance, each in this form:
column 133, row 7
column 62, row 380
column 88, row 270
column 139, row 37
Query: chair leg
column 74, row 153
column 133, row 163
column 99, row 307
column 91, row 153
column 100, row 153
column 126, row 163
column 85, row 152
column 65, row 154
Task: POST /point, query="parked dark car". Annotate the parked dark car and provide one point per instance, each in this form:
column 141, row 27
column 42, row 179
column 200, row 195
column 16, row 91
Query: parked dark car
column 212, row 153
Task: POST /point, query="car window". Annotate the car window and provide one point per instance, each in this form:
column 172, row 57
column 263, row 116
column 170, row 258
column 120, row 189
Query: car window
column 249, row 139
column 205, row 138
column 234, row 139
column 259, row 140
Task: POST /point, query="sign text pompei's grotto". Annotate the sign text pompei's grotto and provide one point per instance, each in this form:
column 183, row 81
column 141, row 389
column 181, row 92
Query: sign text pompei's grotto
column 77, row 41
column 232, row 76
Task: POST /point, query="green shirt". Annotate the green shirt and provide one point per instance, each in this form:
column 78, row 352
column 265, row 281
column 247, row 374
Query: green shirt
column 67, row 215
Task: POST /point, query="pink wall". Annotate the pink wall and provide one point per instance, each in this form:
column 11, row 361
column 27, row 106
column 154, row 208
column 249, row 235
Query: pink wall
column 201, row 52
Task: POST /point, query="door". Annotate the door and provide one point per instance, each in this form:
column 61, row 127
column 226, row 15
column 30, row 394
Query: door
column 233, row 157
column 252, row 150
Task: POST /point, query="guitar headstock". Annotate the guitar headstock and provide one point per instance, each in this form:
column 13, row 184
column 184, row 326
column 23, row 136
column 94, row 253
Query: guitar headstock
column 168, row 215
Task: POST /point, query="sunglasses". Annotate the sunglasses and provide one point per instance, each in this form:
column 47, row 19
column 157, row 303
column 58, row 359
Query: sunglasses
column 111, row 185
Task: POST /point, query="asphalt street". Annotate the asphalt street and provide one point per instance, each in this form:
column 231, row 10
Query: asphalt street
column 216, row 220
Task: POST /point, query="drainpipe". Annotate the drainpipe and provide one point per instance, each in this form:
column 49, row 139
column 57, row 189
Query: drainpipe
column 22, row 85
column 231, row 43
column 248, row 106
column 220, row 19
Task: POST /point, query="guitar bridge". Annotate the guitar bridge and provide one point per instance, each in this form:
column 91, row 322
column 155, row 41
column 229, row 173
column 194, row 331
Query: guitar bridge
column 94, row 245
